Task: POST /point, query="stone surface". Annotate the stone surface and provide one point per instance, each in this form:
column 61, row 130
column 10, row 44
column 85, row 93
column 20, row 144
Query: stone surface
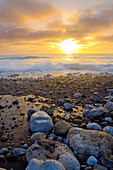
column 47, row 165
column 68, row 106
column 108, row 129
column 109, row 106
column 48, row 110
column 61, row 128
column 92, row 161
column 91, row 143
column 99, row 167
column 69, row 162
column 94, row 126
column 46, row 149
column 94, row 112
column 19, row 151
column 40, row 122
column 77, row 95
column 38, row 136
column 3, row 151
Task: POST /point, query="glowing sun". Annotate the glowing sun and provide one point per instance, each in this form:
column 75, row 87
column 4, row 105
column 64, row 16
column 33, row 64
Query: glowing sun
column 69, row 46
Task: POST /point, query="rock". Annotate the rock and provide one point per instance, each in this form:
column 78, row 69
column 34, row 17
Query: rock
column 68, row 106
column 88, row 106
column 110, row 90
column 88, row 168
column 3, row 151
column 61, row 128
column 94, row 126
column 61, row 101
column 95, row 98
column 15, row 101
column 94, row 112
column 30, row 112
column 4, row 138
column 90, row 143
column 33, row 164
column 108, row 129
column 38, row 136
column 92, row 161
column 48, row 110
column 40, row 122
column 109, row 106
column 2, row 159
column 69, row 162
column 46, row 149
column 25, row 146
column 108, row 119
column 30, row 99
column 47, row 165
column 99, row 167
column 19, row 151
column 77, row 95
column 2, row 169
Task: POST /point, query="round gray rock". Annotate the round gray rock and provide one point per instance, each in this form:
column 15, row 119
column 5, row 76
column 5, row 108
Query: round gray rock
column 94, row 126
column 40, row 122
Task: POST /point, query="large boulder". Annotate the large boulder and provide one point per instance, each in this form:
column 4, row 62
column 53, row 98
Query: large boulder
column 91, row 143
column 46, row 149
column 35, row 164
column 40, row 121
column 61, row 128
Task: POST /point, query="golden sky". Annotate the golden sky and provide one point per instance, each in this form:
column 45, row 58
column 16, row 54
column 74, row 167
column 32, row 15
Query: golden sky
column 56, row 26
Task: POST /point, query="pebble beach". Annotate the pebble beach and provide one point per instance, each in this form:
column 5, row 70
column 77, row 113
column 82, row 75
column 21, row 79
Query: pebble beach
column 57, row 121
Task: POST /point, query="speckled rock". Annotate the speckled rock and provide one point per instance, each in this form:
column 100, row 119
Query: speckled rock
column 38, row 136
column 91, row 143
column 94, row 126
column 108, row 129
column 91, row 161
column 46, row 149
column 61, row 128
column 47, row 165
column 69, row 162
column 40, row 122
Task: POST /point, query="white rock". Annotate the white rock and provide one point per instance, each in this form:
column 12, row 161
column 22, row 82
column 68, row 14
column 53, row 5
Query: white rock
column 69, row 161
column 108, row 129
column 92, row 161
column 94, row 126
column 40, row 122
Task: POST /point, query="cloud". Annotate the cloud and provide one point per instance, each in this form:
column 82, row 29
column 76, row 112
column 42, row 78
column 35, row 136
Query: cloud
column 25, row 11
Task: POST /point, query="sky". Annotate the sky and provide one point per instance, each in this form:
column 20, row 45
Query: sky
column 56, row 26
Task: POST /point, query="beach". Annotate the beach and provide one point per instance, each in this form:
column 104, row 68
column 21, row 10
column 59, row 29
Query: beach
column 64, row 97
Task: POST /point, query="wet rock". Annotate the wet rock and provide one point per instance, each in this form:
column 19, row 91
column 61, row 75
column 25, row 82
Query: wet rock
column 19, row 151
column 99, row 167
column 93, row 112
column 3, row 151
column 30, row 112
column 94, row 126
column 40, row 165
column 61, row 128
column 108, row 129
column 90, row 142
column 38, row 136
column 46, row 149
column 48, row 110
column 66, row 158
column 40, row 122
column 68, row 106
column 92, row 161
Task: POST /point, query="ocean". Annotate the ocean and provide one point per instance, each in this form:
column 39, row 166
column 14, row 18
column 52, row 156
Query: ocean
column 56, row 63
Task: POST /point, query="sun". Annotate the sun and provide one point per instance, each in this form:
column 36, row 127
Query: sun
column 69, row 46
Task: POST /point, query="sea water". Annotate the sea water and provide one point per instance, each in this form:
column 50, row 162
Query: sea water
column 24, row 64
